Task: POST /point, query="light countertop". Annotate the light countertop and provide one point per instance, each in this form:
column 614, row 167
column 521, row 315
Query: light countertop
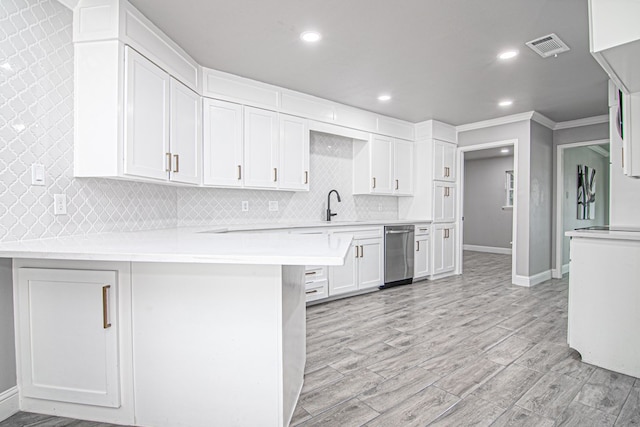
column 622, row 233
column 188, row 245
column 313, row 224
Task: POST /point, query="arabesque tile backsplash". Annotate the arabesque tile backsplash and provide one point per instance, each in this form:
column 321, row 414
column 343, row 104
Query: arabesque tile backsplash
column 36, row 126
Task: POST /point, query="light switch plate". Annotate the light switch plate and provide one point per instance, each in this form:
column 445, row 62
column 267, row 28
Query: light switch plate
column 273, row 205
column 37, row 174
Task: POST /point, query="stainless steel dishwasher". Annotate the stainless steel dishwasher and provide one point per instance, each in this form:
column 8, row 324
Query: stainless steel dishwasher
column 398, row 255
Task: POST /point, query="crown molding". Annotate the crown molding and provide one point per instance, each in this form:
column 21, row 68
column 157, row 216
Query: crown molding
column 543, row 120
column 596, row 120
column 496, row 122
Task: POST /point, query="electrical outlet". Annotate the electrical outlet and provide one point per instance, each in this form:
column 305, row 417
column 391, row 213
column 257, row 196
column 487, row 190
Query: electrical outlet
column 59, row 204
column 273, row 205
column 245, row 206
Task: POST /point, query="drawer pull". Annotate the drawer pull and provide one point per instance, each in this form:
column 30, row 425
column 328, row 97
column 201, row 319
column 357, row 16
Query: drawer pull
column 314, row 291
column 309, row 273
column 418, row 246
column 105, row 307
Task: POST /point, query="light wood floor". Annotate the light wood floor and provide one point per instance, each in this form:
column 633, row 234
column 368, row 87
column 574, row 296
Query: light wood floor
column 466, row 350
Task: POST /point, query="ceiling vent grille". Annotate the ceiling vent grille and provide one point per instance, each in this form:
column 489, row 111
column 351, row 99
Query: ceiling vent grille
column 547, row 46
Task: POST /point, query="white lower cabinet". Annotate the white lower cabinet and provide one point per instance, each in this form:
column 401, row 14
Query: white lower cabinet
column 444, row 237
column 422, row 256
column 363, row 265
column 316, row 284
column 69, row 335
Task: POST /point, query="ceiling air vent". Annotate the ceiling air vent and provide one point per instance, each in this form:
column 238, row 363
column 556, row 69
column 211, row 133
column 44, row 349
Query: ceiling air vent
column 548, row 45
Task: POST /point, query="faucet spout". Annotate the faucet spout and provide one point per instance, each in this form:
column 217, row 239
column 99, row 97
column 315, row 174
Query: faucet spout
column 329, row 214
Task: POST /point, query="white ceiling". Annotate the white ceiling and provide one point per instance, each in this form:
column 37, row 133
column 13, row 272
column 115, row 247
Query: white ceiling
column 436, row 58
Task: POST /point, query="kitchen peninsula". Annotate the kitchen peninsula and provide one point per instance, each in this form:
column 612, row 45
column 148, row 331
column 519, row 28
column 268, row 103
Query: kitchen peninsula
column 175, row 327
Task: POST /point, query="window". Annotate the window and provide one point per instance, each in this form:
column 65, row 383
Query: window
column 509, row 187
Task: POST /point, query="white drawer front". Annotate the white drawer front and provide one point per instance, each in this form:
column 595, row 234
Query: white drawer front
column 317, row 290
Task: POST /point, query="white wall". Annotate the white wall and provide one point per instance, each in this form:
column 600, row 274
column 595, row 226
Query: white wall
column 625, row 192
column 572, row 158
column 486, row 223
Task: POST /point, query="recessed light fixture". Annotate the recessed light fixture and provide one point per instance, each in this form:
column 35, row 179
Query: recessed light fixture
column 384, row 98
column 504, row 150
column 311, row 36
column 508, row 54
column 505, row 103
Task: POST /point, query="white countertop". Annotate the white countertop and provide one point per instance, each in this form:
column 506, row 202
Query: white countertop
column 188, row 245
column 613, row 234
column 312, row 224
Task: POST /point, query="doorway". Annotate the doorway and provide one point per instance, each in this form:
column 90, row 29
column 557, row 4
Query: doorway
column 582, row 193
column 501, row 199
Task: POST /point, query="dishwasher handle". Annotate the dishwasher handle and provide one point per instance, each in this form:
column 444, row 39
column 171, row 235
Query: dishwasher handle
column 397, row 231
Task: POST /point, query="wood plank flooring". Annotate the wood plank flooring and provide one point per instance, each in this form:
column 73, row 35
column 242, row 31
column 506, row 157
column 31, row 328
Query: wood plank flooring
column 466, row 350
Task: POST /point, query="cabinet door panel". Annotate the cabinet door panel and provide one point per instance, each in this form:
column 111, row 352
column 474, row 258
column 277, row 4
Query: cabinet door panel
column 223, row 143
column 421, row 265
column 370, row 263
column 146, row 119
column 444, row 154
column 294, row 153
column 342, row 279
column 186, row 134
column 68, row 354
column 403, row 158
column 260, row 148
column 444, row 248
column 381, row 165
column 444, row 202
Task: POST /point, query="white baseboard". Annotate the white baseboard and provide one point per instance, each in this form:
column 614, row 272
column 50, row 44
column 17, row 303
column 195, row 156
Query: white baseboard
column 9, row 403
column 565, row 269
column 489, row 249
column 532, row 280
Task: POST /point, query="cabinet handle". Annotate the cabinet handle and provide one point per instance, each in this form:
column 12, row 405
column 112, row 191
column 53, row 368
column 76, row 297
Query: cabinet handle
column 417, row 245
column 357, row 251
column 397, row 184
column 275, row 174
column 374, row 182
column 311, row 292
column 310, row 273
column 105, row 307
column 446, row 191
column 361, row 251
column 306, row 177
column 168, row 165
column 239, row 172
column 176, row 157
column 446, row 233
column 446, row 171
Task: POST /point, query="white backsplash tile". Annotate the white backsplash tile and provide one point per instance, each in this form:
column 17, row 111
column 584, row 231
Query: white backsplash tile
column 331, row 167
column 36, row 126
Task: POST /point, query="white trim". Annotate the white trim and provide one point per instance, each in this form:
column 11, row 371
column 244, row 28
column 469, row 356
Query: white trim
column 598, row 149
column 559, row 198
column 543, row 120
column 460, row 200
column 595, row 120
column 488, row 249
column 496, row 122
column 565, row 269
column 9, row 403
column 529, row 281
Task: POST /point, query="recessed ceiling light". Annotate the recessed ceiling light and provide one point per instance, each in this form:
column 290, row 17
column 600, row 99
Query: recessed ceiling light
column 505, row 103
column 384, row 97
column 311, row 36
column 504, row 150
column 508, row 54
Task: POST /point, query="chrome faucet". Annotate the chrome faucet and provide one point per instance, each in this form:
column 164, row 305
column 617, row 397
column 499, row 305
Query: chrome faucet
column 329, row 214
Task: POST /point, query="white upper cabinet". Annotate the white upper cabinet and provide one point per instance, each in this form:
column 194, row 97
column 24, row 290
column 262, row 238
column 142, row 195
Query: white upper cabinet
column 260, row 148
column 615, row 40
column 444, row 154
column 444, row 199
column 146, row 120
column 383, row 166
column 223, row 144
column 294, row 153
column 381, row 159
column 186, row 134
column 403, row 168
column 254, row 148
